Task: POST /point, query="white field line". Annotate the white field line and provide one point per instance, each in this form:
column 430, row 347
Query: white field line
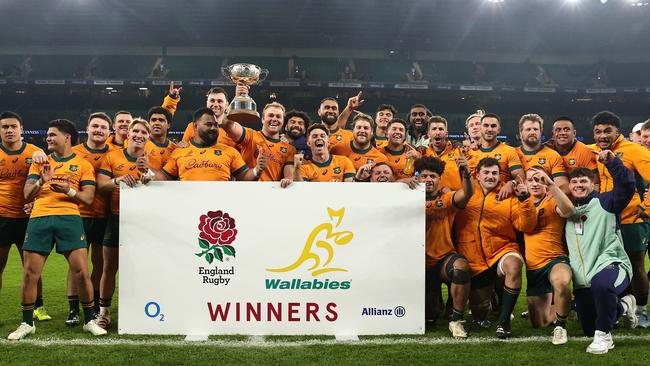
column 259, row 341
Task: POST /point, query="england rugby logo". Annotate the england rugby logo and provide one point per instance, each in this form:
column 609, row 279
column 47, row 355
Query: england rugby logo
column 217, row 232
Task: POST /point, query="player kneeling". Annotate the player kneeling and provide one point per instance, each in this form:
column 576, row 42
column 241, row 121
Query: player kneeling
column 443, row 264
column 547, row 263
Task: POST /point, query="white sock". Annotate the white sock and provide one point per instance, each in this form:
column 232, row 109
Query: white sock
column 104, row 310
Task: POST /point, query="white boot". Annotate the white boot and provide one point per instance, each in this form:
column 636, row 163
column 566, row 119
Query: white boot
column 601, row 344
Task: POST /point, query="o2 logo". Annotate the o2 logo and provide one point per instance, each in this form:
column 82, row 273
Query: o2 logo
column 152, row 310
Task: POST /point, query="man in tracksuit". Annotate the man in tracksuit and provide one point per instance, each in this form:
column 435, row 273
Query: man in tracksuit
column 601, row 268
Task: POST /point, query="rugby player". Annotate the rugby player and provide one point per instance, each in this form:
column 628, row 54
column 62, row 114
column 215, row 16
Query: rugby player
column 265, row 143
column 548, row 273
column 323, row 166
column 574, row 153
column 15, row 161
column 400, row 155
column 533, row 153
column 208, row 160
column 509, row 163
column 360, row 150
column 118, row 166
column 443, row 263
column 634, row 229
column 57, row 188
column 94, row 216
column 493, row 251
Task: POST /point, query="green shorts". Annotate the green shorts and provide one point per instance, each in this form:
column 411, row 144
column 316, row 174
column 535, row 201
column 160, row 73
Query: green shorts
column 67, row 231
column 635, row 236
column 95, row 228
column 537, row 280
column 485, row 278
column 112, row 236
column 12, row 231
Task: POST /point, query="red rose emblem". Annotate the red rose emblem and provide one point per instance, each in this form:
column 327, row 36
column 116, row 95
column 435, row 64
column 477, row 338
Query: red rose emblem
column 217, row 228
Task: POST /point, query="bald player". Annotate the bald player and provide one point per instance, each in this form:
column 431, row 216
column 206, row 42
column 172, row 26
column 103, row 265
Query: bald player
column 206, row 159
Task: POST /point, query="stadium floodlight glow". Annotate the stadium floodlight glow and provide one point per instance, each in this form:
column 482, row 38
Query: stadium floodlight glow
column 144, row 88
column 109, row 88
column 603, row 2
column 495, row 1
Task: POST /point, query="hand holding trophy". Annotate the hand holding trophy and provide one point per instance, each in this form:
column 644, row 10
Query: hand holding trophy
column 243, row 108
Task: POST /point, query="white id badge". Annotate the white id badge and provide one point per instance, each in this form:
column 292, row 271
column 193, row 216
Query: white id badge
column 579, row 227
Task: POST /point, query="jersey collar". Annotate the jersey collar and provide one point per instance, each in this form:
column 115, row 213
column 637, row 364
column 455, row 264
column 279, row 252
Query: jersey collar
column 360, row 151
column 324, row 164
column 14, row 152
column 95, row 151
column 490, row 149
column 59, row 159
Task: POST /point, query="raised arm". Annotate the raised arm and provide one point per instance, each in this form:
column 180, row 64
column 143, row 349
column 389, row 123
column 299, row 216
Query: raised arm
column 565, row 207
column 464, row 194
column 353, row 104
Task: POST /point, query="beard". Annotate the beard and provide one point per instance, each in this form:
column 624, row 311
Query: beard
column 208, row 139
column 328, row 120
column 295, row 133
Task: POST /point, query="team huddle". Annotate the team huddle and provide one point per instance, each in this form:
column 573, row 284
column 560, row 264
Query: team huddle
column 574, row 216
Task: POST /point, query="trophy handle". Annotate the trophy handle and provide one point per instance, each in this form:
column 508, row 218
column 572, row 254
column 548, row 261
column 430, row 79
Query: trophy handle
column 225, row 71
column 264, row 73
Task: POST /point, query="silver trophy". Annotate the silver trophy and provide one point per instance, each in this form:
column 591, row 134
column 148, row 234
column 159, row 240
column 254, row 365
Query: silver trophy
column 243, row 108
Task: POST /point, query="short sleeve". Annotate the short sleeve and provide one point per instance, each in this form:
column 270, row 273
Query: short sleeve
column 87, row 177
column 514, row 162
column 237, row 164
column 106, row 167
column 348, row 168
column 34, row 171
column 171, row 166
column 557, row 168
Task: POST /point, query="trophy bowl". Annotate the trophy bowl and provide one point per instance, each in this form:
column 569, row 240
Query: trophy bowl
column 243, row 108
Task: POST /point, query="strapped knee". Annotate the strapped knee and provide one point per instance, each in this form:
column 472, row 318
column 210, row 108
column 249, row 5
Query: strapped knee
column 461, row 276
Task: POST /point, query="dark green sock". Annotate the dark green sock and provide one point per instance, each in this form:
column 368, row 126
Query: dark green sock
column 508, row 301
column 457, row 315
column 96, row 295
column 28, row 313
column 89, row 311
column 74, row 303
column 39, row 302
column 560, row 321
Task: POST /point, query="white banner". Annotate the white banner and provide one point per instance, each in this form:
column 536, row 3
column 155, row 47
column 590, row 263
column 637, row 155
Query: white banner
column 205, row 258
